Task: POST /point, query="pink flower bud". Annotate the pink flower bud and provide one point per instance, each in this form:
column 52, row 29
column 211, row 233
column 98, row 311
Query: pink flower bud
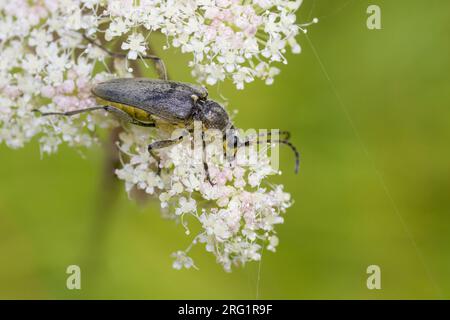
column 48, row 91
column 11, row 92
column 68, row 86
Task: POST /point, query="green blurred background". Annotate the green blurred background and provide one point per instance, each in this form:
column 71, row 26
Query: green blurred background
column 373, row 188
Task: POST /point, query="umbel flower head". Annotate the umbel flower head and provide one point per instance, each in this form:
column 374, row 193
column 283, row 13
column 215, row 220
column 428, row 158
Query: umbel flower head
column 47, row 64
column 233, row 39
column 237, row 212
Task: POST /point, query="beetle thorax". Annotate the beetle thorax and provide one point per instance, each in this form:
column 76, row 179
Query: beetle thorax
column 213, row 116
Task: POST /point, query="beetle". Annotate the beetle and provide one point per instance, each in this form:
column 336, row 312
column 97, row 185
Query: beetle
column 151, row 102
column 148, row 102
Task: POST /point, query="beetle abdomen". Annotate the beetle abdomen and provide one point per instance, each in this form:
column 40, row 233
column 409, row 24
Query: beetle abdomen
column 133, row 112
column 169, row 100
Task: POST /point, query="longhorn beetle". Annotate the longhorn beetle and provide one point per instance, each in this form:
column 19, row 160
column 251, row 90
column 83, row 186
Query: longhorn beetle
column 149, row 102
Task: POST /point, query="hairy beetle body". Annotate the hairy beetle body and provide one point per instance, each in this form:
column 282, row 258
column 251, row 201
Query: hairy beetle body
column 140, row 97
column 134, row 112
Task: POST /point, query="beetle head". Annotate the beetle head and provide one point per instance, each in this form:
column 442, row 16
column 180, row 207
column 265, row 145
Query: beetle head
column 214, row 116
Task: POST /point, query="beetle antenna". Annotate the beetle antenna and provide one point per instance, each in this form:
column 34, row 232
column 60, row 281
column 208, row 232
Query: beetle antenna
column 285, row 141
column 294, row 149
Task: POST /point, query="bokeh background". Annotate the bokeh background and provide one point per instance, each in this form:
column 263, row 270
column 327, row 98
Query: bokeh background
column 369, row 110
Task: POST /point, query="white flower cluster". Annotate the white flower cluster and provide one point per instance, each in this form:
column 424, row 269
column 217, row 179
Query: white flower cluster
column 41, row 68
column 228, row 38
column 44, row 62
column 237, row 214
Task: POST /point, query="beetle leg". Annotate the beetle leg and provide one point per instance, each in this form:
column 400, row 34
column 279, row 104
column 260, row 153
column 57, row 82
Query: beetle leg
column 228, row 145
column 162, row 144
column 69, row 113
column 127, row 118
column 160, row 66
column 205, row 163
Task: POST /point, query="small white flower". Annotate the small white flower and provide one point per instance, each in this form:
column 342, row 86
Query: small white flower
column 116, row 29
column 182, row 261
column 273, row 243
column 186, row 206
column 135, row 44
